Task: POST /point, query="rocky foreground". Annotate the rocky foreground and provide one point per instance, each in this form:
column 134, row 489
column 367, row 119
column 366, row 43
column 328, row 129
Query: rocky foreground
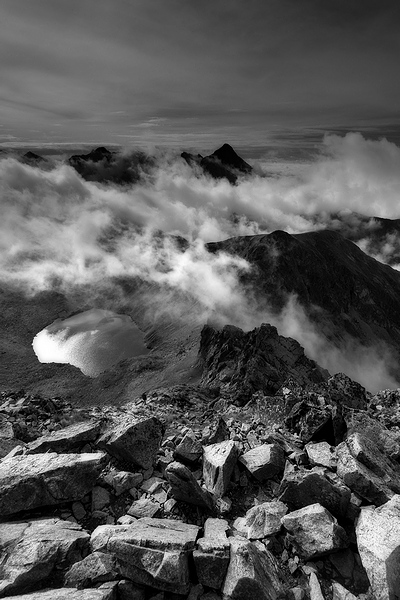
column 176, row 496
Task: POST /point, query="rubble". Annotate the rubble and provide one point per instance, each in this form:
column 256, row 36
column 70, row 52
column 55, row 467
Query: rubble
column 227, row 506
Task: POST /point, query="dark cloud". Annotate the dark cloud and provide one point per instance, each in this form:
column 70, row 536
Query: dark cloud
column 229, row 70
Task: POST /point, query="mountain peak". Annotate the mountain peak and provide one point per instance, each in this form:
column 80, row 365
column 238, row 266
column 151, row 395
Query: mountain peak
column 228, row 157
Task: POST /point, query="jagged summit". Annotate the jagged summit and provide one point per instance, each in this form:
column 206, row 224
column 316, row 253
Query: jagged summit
column 223, row 163
column 33, row 159
column 228, row 157
column 32, row 156
column 96, row 155
column 104, row 165
column 242, row 363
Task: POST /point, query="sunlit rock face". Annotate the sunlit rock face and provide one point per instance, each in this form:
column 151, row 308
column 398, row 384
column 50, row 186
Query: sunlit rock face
column 93, row 341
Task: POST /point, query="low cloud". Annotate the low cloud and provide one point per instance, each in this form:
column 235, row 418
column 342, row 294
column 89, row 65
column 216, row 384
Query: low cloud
column 59, row 231
column 370, row 365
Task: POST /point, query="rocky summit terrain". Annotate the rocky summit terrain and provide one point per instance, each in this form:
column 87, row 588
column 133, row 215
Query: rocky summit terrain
column 225, row 464
column 276, row 482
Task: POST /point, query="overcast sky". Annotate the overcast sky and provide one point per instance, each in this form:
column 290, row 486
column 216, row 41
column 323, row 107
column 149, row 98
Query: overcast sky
column 197, row 73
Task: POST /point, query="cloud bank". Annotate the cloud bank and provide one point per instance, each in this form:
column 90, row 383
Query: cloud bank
column 61, row 232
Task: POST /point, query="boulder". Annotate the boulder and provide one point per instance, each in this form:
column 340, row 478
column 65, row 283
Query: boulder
column 219, row 460
column 185, row 487
column 211, row 557
column 321, row 454
column 348, row 570
column 252, row 572
column 316, row 423
column 365, row 451
column 66, row 439
column 314, row 588
column 102, row 534
column 264, row 461
column 378, row 541
column 95, row 568
column 106, row 593
column 340, row 593
column 7, row 438
column 144, row 507
column 345, row 392
column 314, row 532
column 127, row 590
column 7, row 445
column 215, row 433
column 134, row 443
column 122, row 481
column 189, row 450
column 264, row 519
column 300, row 488
column 386, row 440
column 100, row 498
column 360, row 479
column 27, row 482
column 155, row 552
column 32, row 550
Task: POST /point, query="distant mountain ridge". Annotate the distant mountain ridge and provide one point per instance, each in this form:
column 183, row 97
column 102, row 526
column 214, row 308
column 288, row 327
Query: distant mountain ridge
column 223, row 163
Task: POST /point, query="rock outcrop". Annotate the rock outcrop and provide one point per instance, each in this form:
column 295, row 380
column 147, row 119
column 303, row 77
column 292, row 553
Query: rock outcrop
column 257, row 361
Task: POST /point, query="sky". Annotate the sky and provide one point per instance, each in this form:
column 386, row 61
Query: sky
column 195, row 74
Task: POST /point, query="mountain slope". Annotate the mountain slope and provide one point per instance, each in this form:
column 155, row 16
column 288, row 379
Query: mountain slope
column 348, row 298
column 377, row 236
column 346, row 293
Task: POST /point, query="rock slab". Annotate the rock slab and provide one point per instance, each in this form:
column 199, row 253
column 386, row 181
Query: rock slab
column 155, row 552
column 65, row 439
column 32, row 550
column 69, row 594
column 27, row 482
